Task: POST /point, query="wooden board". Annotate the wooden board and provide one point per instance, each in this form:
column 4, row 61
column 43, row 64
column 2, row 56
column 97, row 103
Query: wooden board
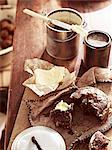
column 28, row 43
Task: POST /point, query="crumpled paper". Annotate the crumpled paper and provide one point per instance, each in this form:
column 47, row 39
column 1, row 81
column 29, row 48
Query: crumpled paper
column 94, row 75
column 32, row 64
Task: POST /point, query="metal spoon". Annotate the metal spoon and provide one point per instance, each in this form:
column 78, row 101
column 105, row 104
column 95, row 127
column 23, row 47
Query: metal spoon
column 36, row 143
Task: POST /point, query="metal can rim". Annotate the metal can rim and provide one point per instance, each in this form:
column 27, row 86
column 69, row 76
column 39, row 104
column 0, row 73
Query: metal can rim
column 64, row 9
column 95, row 47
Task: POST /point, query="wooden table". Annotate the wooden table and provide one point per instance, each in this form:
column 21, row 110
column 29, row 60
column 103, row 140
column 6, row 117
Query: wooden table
column 29, row 43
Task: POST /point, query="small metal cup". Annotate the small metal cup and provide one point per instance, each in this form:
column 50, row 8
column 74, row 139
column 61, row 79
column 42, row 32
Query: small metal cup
column 97, row 47
column 63, row 44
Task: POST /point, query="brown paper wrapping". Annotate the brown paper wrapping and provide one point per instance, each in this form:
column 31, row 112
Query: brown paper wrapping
column 82, row 123
column 33, row 112
column 95, row 75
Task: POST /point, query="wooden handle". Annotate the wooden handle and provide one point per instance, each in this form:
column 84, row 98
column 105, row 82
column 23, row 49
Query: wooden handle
column 36, row 15
column 76, row 28
column 79, row 29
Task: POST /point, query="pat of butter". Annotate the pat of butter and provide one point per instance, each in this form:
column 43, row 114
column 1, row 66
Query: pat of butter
column 63, row 106
column 50, row 77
